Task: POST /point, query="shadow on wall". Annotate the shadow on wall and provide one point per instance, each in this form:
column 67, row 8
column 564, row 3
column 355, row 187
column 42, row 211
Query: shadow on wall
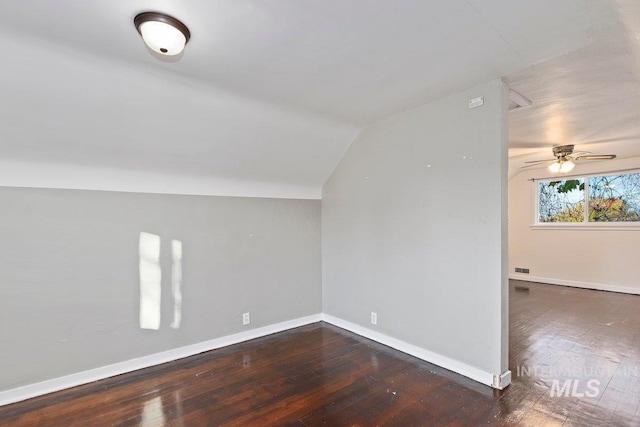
column 151, row 281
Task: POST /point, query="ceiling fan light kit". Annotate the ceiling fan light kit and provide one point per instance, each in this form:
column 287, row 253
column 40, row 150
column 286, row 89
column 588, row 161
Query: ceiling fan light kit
column 562, row 166
column 163, row 34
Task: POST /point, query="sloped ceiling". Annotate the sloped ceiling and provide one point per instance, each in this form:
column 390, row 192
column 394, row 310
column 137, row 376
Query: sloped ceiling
column 268, row 94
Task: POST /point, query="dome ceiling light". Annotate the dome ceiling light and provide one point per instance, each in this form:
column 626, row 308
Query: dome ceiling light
column 162, row 33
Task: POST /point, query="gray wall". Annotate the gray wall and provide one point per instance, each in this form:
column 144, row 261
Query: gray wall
column 69, row 273
column 414, row 228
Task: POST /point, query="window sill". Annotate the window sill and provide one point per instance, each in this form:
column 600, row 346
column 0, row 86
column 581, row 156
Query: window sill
column 587, row 226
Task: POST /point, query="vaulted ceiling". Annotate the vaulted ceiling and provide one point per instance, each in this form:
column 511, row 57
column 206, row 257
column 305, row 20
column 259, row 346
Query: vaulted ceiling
column 268, row 92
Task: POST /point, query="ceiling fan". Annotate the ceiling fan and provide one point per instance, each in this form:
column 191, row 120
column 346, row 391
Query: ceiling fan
column 565, row 157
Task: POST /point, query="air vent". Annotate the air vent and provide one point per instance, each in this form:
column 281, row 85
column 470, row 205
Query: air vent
column 522, row 270
column 517, row 101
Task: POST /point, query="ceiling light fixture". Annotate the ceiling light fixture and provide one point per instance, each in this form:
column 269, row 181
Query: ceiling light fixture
column 562, row 166
column 162, row 33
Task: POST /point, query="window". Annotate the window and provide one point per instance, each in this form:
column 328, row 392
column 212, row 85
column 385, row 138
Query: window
column 590, row 200
column 614, row 198
column 561, row 201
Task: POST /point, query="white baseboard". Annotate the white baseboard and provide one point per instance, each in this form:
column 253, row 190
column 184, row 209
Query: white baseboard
column 461, row 368
column 85, row 377
column 575, row 284
column 73, row 380
column 502, row 381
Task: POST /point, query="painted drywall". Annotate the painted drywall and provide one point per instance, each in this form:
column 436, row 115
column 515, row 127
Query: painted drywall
column 414, row 229
column 592, row 258
column 72, row 119
column 70, row 274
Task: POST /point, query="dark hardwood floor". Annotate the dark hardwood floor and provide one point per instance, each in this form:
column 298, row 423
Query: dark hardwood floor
column 322, row 375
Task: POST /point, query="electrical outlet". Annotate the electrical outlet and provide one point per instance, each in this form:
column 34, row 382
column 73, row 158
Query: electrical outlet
column 246, row 319
column 374, row 318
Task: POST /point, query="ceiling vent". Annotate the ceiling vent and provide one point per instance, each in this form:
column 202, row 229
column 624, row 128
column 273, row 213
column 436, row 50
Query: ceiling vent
column 517, row 101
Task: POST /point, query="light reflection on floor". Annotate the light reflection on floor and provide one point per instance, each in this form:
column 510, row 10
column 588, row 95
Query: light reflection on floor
column 152, row 413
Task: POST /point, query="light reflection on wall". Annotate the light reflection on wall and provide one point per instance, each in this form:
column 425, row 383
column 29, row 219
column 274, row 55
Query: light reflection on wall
column 150, row 281
column 176, row 282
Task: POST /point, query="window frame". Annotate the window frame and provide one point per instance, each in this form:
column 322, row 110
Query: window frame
column 585, row 224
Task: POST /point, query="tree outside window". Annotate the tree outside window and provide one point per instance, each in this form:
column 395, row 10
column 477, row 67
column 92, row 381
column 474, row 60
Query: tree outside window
column 611, row 198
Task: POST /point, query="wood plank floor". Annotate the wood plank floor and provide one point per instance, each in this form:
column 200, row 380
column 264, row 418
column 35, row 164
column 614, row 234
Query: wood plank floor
column 322, row 375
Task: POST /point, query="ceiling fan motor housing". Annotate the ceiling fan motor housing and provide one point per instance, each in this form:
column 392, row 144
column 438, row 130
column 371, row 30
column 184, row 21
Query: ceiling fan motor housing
column 562, row 150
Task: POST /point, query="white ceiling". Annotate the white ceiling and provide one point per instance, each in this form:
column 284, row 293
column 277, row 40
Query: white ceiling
column 359, row 60
column 266, row 91
column 589, row 97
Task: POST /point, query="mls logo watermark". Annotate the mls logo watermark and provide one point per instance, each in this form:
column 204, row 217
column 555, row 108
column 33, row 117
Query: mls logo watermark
column 572, row 388
column 576, row 381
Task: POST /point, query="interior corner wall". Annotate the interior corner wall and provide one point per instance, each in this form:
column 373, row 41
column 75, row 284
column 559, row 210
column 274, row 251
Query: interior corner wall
column 70, row 274
column 588, row 258
column 414, row 229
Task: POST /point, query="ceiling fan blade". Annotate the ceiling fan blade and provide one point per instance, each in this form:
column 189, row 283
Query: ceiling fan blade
column 541, row 161
column 597, row 157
